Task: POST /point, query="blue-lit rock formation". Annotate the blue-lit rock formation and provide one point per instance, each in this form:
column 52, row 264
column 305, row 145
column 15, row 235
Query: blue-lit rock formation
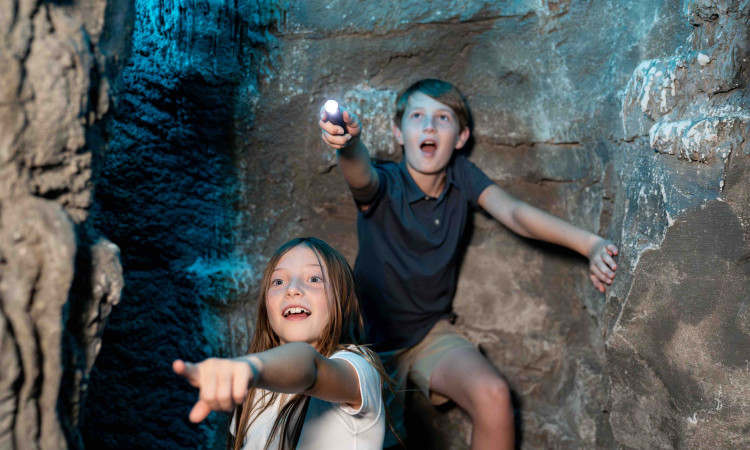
column 168, row 193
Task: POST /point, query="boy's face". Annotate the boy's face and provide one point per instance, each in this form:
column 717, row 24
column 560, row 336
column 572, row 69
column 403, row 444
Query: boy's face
column 429, row 133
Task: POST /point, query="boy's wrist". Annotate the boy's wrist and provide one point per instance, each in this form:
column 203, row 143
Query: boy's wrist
column 594, row 242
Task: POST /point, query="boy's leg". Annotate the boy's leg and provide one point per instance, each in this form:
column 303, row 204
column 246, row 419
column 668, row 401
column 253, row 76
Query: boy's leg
column 465, row 376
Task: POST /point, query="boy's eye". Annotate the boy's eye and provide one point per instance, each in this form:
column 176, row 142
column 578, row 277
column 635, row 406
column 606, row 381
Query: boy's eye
column 416, row 115
column 445, row 117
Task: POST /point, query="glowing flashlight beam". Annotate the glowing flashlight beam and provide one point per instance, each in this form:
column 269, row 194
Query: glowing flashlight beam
column 334, row 114
column 331, row 106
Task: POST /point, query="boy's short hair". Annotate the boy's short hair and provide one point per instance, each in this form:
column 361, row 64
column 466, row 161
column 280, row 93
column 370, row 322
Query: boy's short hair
column 441, row 91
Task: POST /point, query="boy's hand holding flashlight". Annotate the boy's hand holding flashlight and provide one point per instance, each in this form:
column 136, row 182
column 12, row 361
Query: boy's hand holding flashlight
column 340, row 128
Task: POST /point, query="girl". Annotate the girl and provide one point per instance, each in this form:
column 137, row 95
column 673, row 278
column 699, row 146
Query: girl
column 305, row 344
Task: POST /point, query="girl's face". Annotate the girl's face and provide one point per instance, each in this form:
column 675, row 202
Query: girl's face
column 297, row 300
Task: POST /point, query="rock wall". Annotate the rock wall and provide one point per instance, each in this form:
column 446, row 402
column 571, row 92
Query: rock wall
column 168, row 192
column 628, row 119
column 675, row 334
column 59, row 278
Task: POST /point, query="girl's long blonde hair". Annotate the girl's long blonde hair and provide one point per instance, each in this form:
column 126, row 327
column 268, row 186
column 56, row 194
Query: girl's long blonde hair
column 345, row 327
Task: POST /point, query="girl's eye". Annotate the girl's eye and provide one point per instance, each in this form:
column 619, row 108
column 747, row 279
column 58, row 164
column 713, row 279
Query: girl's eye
column 316, row 279
column 277, row 282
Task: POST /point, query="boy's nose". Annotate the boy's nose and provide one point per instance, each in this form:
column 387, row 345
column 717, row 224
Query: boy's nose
column 429, row 124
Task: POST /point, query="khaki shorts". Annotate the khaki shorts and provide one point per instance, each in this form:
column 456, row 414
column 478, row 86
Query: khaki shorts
column 417, row 363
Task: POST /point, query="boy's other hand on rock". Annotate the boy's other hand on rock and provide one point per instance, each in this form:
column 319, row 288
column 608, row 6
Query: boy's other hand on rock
column 602, row 265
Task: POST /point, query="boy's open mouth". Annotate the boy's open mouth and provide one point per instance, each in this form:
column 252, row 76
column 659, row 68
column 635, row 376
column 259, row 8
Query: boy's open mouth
column 296, row 311
column 428, row 146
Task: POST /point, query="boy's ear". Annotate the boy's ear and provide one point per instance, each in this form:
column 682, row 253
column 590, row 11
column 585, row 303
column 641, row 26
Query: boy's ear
column 397, row 134
column 463, row 137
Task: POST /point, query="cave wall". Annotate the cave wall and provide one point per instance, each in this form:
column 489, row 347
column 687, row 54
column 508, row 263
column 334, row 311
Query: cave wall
column 676, row 335
column 628, row 119
column 59, row 278
column 167, row 194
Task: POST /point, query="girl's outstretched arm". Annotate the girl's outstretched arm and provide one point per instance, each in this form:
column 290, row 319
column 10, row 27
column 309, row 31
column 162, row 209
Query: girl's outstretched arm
column 292, row 368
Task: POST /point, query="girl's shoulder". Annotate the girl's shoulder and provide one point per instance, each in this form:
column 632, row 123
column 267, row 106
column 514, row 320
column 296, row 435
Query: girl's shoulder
column 364, row 360
column 370, row 380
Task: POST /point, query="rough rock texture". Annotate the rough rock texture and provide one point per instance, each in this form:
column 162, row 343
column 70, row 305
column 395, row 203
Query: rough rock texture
column 58, row 278
column 169, row 184
column 628, row 119
column 676, row 334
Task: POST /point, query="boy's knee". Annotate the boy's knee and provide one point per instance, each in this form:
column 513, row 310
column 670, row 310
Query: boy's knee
column 493, row 394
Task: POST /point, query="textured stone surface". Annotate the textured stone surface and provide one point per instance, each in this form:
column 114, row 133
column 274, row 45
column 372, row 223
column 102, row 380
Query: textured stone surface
column 678, row 377
column 167, row 193
column 628, row 119
column 39, row 248
column 543, row 81
column 58, row 278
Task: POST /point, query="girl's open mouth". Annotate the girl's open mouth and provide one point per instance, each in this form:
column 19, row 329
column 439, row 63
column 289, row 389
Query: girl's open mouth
column 296, row 313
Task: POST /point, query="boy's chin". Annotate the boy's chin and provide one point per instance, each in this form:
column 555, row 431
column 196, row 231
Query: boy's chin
column 428, row 166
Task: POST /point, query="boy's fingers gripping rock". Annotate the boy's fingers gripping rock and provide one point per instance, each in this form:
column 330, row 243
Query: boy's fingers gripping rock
column 598, row 274
column 597, row 284
column 609, row 261
column 602, row 266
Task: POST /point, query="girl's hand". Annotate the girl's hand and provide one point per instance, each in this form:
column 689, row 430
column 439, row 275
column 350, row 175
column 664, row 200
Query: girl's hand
column 602, row 265
column 223, row 383
column 335, row 136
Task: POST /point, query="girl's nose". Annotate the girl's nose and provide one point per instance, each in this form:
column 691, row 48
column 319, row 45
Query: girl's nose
column 293, row 288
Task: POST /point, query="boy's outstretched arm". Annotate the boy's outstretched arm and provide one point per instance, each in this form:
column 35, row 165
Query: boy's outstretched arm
column 353, row 157
column 534, row 223
column 291, row 368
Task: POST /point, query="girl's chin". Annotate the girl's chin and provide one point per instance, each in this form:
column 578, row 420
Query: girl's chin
column 292, row 339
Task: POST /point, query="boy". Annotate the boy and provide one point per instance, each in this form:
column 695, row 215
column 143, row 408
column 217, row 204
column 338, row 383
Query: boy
column 411, row 223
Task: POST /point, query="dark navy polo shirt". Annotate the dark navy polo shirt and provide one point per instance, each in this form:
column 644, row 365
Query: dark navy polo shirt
column 407, row 268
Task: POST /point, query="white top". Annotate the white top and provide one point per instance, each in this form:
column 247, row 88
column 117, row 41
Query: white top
column 332, row 425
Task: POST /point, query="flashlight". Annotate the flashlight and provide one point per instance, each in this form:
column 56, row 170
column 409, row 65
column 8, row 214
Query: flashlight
column 335, row 116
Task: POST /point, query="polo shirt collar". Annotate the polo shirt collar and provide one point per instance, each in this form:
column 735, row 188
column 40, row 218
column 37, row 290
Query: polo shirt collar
column 413, row 192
